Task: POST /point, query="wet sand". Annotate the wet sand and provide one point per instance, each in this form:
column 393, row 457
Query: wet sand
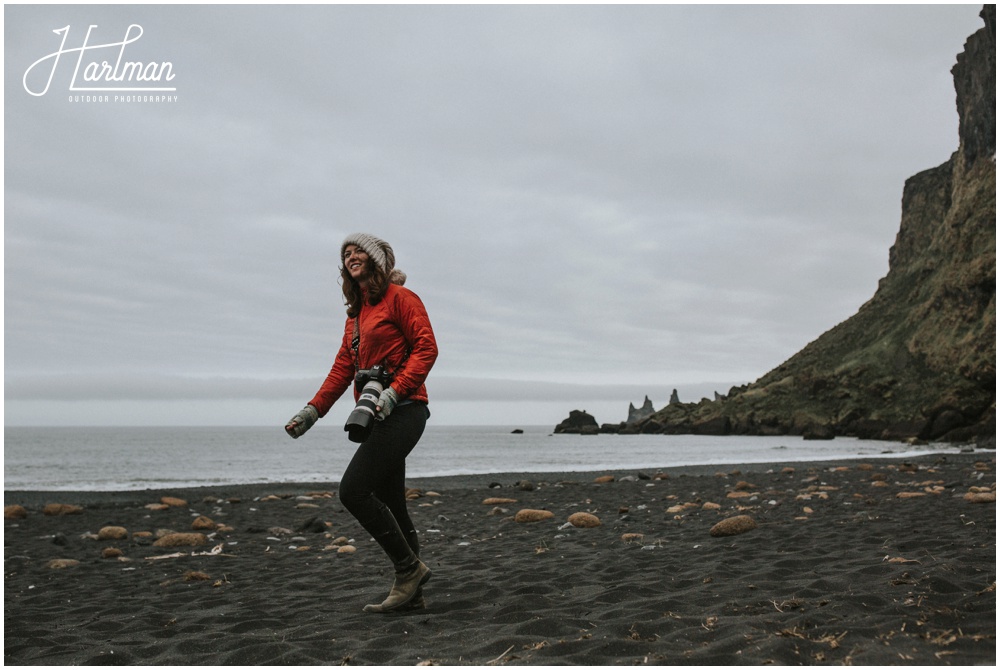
column 884, row 562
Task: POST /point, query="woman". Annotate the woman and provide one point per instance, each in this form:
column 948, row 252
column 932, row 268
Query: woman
column 387, row 326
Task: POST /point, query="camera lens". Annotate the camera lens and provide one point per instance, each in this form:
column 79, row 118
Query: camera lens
column 362, row 419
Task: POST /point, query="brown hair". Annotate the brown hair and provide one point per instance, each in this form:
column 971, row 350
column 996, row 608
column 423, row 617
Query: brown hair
column 378, row 283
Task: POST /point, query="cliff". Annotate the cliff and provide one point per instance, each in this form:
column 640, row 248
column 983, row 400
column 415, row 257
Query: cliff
column 918, row 360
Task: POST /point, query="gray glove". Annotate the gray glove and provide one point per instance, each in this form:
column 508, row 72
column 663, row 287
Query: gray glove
column 386, row 403
column 302, row 421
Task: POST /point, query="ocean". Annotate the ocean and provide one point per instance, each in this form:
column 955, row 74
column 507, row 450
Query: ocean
column 138, row 458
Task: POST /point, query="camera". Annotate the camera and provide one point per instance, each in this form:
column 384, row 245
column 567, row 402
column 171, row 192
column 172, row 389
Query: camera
column 362, row 419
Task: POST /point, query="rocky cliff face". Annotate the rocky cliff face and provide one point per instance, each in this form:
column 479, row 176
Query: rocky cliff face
column 918, row 360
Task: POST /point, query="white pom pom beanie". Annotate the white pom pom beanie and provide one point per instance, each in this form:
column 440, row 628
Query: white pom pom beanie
column 379, row 251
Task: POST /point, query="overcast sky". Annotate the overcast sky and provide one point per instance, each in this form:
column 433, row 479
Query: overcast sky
column 614, row 201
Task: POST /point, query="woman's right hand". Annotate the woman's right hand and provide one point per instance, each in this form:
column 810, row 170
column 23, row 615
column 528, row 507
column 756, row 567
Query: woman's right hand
column 301, row 422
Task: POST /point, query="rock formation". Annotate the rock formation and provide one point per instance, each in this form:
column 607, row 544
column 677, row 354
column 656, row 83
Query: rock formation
column 578, row 422
column 918, row 360
column 644, row 412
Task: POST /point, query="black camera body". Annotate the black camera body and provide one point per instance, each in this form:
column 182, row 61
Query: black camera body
column 371, row 383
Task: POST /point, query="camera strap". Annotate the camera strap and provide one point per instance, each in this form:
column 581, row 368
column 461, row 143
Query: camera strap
column 356, row 343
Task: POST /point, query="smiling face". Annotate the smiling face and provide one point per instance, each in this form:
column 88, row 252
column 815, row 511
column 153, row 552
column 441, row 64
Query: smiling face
column 357, row 263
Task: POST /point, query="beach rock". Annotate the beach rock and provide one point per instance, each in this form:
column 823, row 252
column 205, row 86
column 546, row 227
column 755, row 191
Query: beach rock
column 604, row 479
column 14, row 512
column 346, row 550
column 910, row 494
column 60, row 509
column 584, row 520
column 499, row 501
column 990, row 497
column 532, row 515
column 182, row 540
column 311, row 525
column 711, row 506
column 157, row 507
column 112, row 533
column 734, row 525
column 196, row 576
column 525, row 485
column 632, row 537
column 173, row 502
column 202, row 523
column 62, row 563
column 111, row 552
column 326, row 495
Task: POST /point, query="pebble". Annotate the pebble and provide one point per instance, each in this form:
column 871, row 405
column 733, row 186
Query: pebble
column 584, row 520
column 60, row 509
column 202, row 523
column 14, row 512
column 61, row 563
column 499, row 501
column 196, row 576
column 605, row 479
column 111, row 552
column 181, row 540
column 173, row 502
column 980, row 497
column 734, row 525
column 112, row 533
column 532, row 515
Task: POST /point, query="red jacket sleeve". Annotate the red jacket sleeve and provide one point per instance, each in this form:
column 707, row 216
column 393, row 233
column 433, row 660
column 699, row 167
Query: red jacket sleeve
column 411, row 315
column 341, row 376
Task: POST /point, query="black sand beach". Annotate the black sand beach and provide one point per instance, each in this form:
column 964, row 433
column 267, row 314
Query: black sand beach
column 866, row 563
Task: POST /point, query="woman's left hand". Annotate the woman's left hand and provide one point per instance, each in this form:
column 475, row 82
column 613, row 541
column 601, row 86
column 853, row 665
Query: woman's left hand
column 386, row 403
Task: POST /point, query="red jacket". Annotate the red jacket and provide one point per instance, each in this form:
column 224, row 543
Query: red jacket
column 396, row 324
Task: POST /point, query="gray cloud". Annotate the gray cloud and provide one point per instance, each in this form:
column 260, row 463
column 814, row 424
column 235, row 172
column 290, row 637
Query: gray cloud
column 679, row 194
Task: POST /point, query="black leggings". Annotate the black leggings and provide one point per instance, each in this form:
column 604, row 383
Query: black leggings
column 373, row 486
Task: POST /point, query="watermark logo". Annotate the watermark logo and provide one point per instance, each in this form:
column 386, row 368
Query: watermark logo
column 103, row 69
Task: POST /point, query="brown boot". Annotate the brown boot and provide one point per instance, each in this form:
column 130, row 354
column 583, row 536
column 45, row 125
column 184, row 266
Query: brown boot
column 404, row 589
column 418, row 602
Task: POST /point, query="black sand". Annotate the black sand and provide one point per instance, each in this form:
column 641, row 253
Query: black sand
column 840, row 570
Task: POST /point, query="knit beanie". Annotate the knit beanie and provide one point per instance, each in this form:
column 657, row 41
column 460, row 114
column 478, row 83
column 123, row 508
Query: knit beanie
column 379, row 251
